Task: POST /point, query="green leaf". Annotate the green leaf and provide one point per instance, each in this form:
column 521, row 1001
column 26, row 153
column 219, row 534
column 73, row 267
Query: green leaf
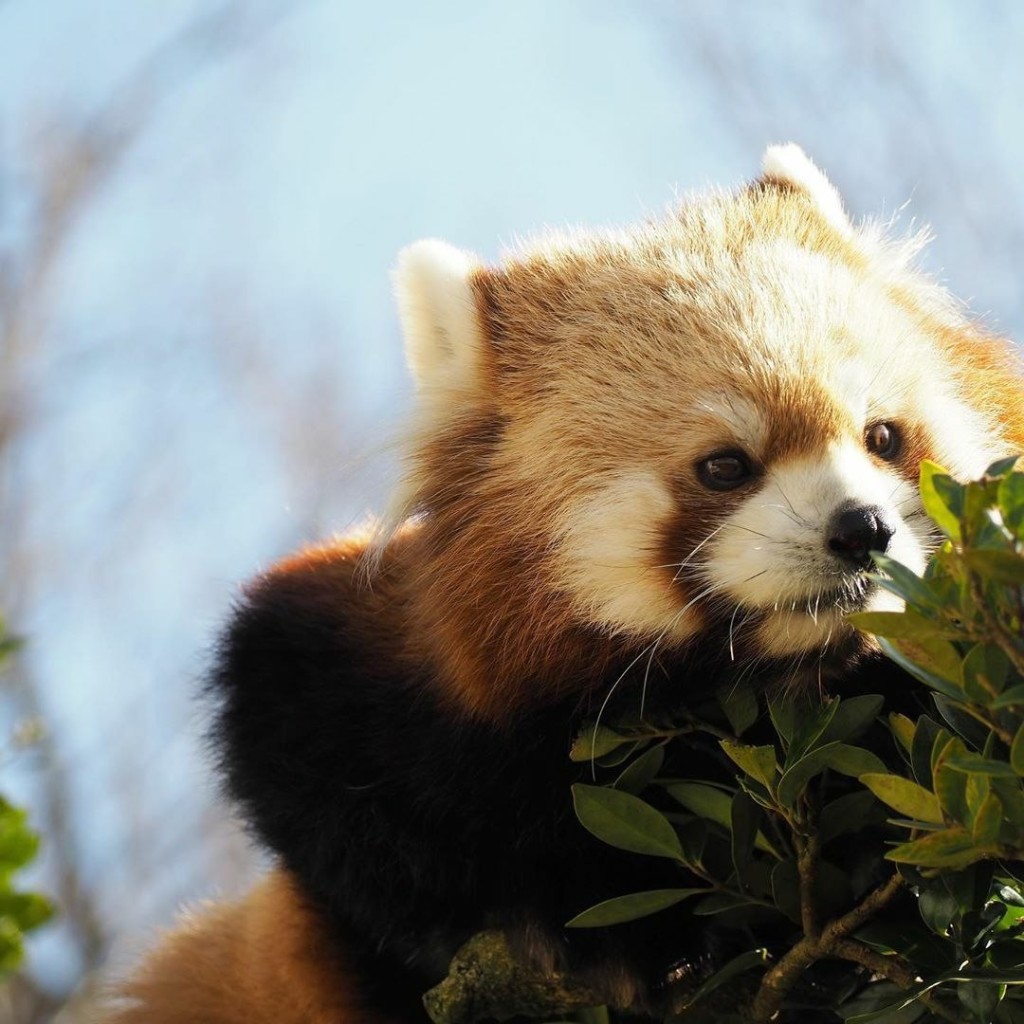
column 1017, row 752
column 882, row 1002
column 936, row 656
column 28, row 910
column 853, row 761
column 987, row 821
column 1002, row 466
column 951, row 848
column 739, row 702
column 954, row 713
column 984, row 672
column 596, row 741
column 1007, row 954
column 757, row 762
column 904, row 583
column 853, row 716
column 625, row 821
column 905, row 796
column 906, row 660
column 906, row 625
column 903, row 729
column 720, row 902
column 785, row 716
column 1011, row 503
column 735, row 967
column 971, row 886
column 922, row 747
column 8, row 646
column 693, row 836
column 1012, row 798
column 1001, row 566
column 936, row 502
column 975, row 764
column 810, row 726
column 911, row 939
column 978, row 520
column 1013, row 697
column 950, row 785
column 12, row 950
column 849, row 813
column 938, row 908
column 786, row 888
column 18, row 843
column 1011, row 894
column 745, row 817
column 979, row 786
column 980, row 999
column 705, row 801
column 631, row 907
column 841, row 757
column 620, row 755
column 714, row 805
column 642, row 771
column 909, row 995
column 951, row 492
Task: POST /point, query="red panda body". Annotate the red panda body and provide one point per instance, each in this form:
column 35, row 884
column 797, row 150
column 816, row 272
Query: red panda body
column 644, row 463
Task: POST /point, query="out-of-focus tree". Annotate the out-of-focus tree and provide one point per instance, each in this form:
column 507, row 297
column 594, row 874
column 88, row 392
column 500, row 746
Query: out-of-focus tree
column 21, row 911
column 69, row 160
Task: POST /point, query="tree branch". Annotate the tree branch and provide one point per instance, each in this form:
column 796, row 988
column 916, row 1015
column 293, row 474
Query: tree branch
column 780, row 979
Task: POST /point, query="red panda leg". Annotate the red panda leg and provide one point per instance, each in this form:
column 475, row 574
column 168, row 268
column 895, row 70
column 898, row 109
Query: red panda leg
column 263, row 958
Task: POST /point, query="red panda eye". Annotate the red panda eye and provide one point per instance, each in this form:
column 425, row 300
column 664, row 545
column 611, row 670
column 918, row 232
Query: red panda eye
column 724, row 471
column 883, row 440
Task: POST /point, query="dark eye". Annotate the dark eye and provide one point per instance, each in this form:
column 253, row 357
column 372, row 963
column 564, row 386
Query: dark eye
column 724, row 471
column 883, row 440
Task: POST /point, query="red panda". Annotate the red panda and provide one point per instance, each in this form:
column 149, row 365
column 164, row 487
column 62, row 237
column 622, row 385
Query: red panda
column 673, row 444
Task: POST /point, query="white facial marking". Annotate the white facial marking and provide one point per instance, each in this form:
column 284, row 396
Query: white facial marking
column 606, row 555
column 740, row 416
column 964, row 438
column 772, row 551
column 853, row 383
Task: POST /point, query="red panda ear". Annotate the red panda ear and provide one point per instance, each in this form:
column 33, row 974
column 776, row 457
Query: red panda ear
column 788, row 166
column 445, row 341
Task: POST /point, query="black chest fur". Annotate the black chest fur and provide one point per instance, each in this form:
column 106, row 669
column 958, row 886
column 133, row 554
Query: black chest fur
column 413, row 828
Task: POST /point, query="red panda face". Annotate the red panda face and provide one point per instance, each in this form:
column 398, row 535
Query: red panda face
column 708, row 421
column 746, row 472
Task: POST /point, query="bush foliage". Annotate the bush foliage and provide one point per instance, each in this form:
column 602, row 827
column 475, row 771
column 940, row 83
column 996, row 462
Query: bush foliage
column 874, row 858
column 20, row 911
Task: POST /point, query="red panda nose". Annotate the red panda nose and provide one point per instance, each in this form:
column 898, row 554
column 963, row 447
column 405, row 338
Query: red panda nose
column 856, row 530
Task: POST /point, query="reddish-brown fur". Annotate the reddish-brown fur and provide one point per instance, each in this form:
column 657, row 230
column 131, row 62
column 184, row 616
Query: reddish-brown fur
column 263, row 959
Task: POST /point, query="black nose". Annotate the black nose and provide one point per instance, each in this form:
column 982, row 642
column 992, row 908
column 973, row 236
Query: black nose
column 856, row 530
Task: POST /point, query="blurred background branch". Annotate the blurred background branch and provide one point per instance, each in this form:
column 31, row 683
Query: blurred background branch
column 71, row 160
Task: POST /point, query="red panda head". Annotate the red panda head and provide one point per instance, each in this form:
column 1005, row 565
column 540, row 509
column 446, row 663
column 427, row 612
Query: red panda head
column 625, row 438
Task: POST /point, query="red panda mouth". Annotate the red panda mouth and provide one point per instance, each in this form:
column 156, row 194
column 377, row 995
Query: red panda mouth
column 850, row 596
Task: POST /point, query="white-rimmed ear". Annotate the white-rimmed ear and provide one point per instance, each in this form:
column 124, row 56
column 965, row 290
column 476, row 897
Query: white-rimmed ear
column 790, row 166
column 444, row 338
